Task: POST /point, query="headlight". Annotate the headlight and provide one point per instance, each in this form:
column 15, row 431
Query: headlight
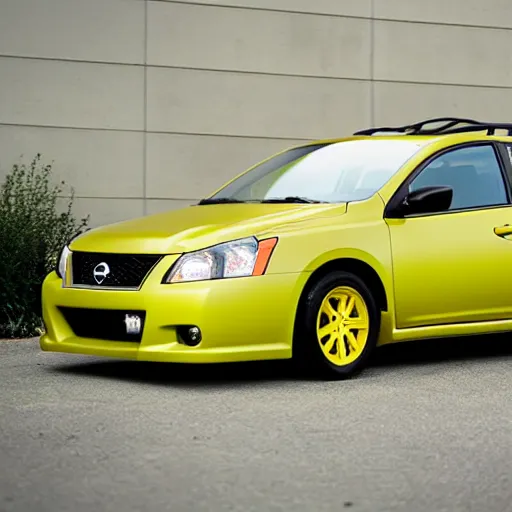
column 62, row 265
column 240, row 258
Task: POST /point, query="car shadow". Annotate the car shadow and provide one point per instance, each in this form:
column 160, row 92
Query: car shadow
column 443, row 350
column 385, row 359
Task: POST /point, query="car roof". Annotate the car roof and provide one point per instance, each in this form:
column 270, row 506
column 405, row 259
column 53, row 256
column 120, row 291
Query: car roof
column 449, row 129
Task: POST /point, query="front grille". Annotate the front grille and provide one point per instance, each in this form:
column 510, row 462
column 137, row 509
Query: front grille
column 111, row 270
column 102, row 324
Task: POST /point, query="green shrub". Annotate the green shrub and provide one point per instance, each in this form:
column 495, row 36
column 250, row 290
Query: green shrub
column 33, row 230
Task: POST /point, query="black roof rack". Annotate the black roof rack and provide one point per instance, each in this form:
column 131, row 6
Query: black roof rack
column 449, row 125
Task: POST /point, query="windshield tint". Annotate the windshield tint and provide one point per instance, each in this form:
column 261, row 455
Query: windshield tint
column 334, row 172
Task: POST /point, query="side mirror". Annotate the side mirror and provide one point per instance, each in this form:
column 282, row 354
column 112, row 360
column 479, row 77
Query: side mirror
column 424, row 200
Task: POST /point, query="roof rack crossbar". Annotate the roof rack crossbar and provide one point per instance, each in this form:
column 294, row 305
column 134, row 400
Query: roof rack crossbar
column 449, row 125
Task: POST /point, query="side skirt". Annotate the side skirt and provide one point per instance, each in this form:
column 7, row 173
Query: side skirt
column 444, row 331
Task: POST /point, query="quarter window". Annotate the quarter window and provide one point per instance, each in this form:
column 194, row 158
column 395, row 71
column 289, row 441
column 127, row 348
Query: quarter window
column 473, row 173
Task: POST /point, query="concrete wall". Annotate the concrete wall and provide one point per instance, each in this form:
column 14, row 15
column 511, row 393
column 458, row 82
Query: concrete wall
column 149, row 105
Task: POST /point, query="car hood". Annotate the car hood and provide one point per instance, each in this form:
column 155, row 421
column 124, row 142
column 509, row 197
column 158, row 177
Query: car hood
column 196, row 227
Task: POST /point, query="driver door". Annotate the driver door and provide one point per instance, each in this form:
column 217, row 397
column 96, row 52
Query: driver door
column 455, row 266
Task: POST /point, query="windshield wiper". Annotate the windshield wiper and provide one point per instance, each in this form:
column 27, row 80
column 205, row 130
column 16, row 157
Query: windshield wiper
column 291, row 199
column 220, row 200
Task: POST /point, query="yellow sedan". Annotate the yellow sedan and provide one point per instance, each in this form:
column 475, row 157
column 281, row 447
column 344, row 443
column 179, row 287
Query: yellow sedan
column 319, row 254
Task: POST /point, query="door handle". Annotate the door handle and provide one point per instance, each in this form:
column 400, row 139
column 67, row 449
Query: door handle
column 503, row 230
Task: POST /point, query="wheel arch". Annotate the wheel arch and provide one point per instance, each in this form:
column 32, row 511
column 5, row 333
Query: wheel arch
column 356, row 266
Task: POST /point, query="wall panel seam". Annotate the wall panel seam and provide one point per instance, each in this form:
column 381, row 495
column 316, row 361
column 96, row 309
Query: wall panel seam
column 187, row 68
column 273, row 74
column 335, row 15
column 372, row 65
column 145, row 109
column 74, row 61
column 155, row 132
column 265, row 9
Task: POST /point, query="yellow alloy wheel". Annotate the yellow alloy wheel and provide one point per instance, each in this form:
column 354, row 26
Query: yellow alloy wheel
column 342, row 325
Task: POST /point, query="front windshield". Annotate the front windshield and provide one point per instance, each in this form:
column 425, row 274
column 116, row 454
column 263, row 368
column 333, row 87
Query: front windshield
column 333, row 172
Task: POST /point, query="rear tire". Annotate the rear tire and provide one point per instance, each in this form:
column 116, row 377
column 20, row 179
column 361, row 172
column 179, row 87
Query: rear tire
column 337, row 327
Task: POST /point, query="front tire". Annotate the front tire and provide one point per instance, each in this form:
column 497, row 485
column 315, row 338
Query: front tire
column 337, row 326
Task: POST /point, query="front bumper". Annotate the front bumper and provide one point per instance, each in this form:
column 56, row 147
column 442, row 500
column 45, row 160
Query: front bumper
column 240, row 319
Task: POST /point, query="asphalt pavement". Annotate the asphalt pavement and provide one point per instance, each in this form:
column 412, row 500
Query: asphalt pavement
column 428, row 427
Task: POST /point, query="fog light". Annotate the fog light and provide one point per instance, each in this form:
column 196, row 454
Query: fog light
column 194, row 333
column 190, row 334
